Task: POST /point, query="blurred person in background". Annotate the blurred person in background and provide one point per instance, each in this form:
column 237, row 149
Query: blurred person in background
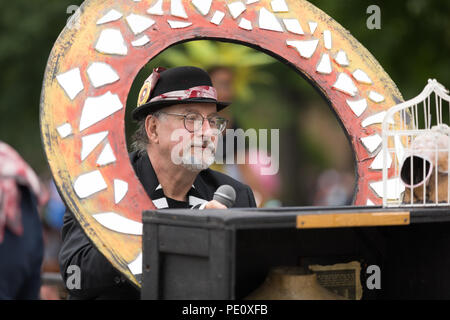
column 266, row 188
column 334, row 189
column 21, row 244
column 52, row 221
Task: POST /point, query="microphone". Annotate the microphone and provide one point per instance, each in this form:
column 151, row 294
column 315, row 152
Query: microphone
column 226, row 195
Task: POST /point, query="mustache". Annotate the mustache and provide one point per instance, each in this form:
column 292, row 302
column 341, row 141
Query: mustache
column 205, row 143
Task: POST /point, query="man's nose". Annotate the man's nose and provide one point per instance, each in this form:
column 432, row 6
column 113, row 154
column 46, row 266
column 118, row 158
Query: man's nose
column 206, row 125
column 206, row 129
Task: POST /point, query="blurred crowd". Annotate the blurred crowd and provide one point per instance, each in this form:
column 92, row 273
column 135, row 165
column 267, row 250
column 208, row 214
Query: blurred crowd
column 31, row 216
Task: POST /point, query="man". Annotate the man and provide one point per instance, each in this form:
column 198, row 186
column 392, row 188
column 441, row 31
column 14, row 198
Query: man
column 175, row 144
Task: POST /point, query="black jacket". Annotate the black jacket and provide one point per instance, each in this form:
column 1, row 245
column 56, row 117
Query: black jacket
column 21, row 256
column 99, row 279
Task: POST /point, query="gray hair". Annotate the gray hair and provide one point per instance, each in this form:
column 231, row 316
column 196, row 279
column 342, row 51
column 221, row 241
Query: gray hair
column 140, row 138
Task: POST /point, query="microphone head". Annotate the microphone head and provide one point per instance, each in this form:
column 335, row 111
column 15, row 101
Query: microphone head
column 226, row 195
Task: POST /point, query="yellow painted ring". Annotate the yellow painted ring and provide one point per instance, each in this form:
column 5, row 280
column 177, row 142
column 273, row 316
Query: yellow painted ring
column 77, row 106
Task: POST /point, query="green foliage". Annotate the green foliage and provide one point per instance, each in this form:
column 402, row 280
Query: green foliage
column 28, row 30
column 413, row 43
column 247, row 64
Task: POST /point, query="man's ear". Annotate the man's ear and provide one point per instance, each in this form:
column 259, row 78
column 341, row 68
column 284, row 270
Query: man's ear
column 151, row 125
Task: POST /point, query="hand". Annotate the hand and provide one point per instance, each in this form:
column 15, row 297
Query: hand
column 214, row 204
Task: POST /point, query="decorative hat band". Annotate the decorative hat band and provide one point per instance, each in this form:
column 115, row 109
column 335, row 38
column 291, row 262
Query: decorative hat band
column 149, row 85
column 194, row 92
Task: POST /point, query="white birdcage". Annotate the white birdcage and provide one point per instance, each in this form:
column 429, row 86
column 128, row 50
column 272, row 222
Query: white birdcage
column 416, row 149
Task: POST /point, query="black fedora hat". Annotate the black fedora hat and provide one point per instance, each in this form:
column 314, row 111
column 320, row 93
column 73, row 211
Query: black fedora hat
column 165, row 87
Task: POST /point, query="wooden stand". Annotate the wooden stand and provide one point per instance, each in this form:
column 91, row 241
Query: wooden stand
column 228, row 254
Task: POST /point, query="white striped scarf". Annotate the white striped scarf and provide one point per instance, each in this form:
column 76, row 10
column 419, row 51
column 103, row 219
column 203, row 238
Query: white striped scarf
column 161, row 202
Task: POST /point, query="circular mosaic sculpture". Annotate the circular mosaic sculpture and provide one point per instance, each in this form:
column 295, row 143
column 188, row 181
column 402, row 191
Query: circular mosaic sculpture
column 94, row 62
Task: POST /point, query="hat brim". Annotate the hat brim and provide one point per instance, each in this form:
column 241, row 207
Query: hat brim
column 141, row 112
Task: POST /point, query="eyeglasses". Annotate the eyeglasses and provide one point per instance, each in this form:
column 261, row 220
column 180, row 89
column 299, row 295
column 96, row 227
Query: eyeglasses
column 193, row 121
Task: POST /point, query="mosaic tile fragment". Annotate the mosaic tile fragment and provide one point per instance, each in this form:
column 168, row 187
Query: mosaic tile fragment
column 64, row 130
column 98, row 108
column 292, row 25
column 156, row 9
column 90, row 142
column 268, row 21
column 111, row 15
column 71, row 82
column 101, row 74
column 118, row 223
column 89, row 183
column 305, row 48
column 111, row 41
column 345, row 84
column 139, row 23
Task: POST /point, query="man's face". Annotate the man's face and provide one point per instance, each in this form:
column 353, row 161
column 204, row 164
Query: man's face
column 193, row 150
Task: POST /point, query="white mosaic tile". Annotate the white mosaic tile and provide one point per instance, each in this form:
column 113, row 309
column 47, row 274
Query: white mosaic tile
column 357, row 106
column 111, row 15
column 64, row 130
column 371, row 143
column 101, row 74
column 312, row 26
column 156, row 8
column 178, row 24
column 341, row 58
column 345, row 84
column 394, row 188
column 377, row 163
column 399, row 149
column 279, row 6
column 217, row 17
column 120, row 190
column 141, row 41
column 236, row 8
column 111, row 41
column 138, row 23
column 361, row 77
column 89, row 183
column 98, row 108
column 376, row 118
column 268, row 21
column 305, row 48
column 118, row 223
column 376, row 97
column 203, row 6
column 177, row 9
column 245, row 24
column 90, row 142
column 71, row 82
column 106, row 156
column 292, row 25
column 324, row 65
column 327, row 39
column 136, row 266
